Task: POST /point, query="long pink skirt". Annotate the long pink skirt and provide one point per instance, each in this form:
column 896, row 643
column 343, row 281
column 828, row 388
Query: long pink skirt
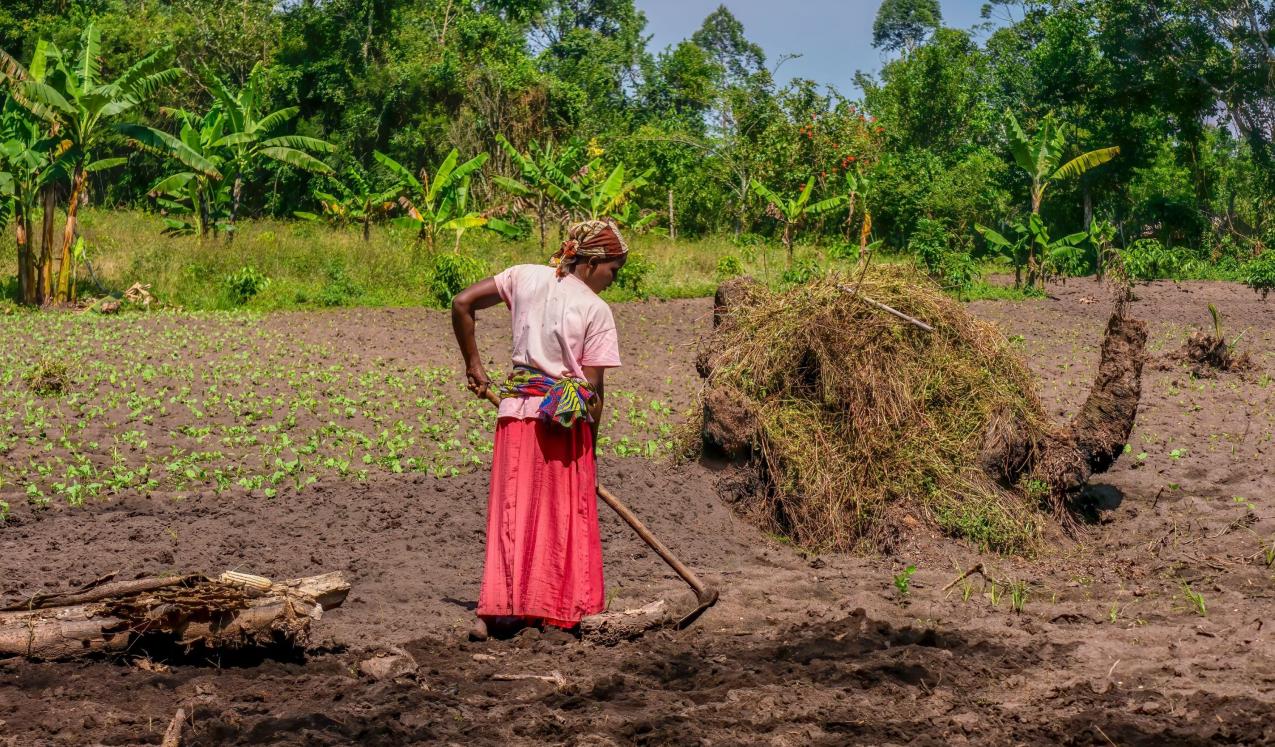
column 544, row 550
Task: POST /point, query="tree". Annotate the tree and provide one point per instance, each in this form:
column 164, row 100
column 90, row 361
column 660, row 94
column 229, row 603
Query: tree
column 30, row 165
column 539, row 168
column 441, row 203
column 904, row 24
column 356, row 198
column 199, row 189
column 793, row 212
column 1040, row 156
column 722, row 36
column 248, row 140
column 76, row 106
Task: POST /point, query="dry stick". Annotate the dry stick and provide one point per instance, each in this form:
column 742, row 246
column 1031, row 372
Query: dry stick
column 976, row 569
column 888, row 309
column 555, row 677
column 173, row 736
column 98, row 593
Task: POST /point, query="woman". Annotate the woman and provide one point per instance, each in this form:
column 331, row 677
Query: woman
column 544, row 550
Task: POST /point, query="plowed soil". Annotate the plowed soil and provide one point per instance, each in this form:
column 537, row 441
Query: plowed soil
column 1108, row 647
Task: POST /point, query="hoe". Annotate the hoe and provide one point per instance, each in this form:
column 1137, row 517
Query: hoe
column 705, row 595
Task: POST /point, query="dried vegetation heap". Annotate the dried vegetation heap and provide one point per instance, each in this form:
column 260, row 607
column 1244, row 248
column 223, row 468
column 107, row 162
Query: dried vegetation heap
column 861, row 404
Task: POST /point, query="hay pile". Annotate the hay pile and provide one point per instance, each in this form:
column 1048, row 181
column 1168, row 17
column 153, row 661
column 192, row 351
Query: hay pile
column 855, row 423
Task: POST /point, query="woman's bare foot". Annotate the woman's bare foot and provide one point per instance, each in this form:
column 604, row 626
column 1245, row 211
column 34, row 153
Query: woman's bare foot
column 479, row 630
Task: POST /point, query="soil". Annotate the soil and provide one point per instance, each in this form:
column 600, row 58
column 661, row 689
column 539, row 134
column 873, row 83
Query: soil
column 1107, row 649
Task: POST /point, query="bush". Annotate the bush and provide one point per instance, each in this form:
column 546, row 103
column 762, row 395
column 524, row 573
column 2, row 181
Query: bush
column 935, row 249
column 1147, row 260
column 729, row 267
column 241, row 286
column 802, row 271
column 1259, row 272
column 633, row 276
column 339, row 290
column 454, row 273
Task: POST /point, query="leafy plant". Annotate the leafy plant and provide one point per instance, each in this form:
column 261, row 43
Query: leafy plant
column 541, row 167
column 441, row 202
column 728, row 267
column 1195, row 599
column 1147, row 260
column 354, row 199
column 453, row 273
column 903, row 581
column 803, row 271
column 1018, row 592
column 793, row 212
column 1259, row 272
column 242, row 285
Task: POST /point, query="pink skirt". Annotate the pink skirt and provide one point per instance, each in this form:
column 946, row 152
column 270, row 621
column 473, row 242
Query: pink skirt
column 544, row 550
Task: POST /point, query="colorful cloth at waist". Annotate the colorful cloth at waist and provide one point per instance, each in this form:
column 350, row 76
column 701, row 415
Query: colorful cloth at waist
column 564, row 400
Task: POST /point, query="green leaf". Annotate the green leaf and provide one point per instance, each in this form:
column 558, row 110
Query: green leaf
column 992, row 236
column 397, row 169
column 1086, row 162
column 513, row 186
column 297, row 159
column 162, row 143
column 300, row 142
column 104, row 164
column 172, row 184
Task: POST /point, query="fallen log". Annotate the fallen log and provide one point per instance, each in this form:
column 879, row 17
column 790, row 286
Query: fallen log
column 234, row 611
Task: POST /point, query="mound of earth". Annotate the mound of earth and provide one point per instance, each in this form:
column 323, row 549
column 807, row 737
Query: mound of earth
column 856, row 403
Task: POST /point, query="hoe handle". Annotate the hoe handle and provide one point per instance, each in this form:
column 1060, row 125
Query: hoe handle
column 702, row 592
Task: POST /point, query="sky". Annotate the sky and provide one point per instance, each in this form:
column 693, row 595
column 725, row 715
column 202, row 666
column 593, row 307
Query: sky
column 834, row 37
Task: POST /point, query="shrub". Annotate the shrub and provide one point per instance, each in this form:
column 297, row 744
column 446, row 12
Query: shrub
column 729, row 267
column 49, row 377
column 1259, row 272
column 454, row 273
column 1147, row 259
column 241, row 286
column 633, row 276
column 936, row 250
column 801, row 272
column 339, row 290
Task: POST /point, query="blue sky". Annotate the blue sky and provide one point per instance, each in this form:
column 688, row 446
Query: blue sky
column 834, row 37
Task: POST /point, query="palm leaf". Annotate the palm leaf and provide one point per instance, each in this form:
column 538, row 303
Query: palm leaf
column 804, row 197
column 37, row 96
column 300, row 142
column 102, row 164
column 1086, row 162
column 993, row 237
column 297, row 159
column 397, row 169
column 172, row 183
column 471, row 220
column 164, row 144
column 90, row 69
column 1019, row 144
column 442, row 174
column 274, row 119
column 513, row 186
column 234, row 138
column 823, row 206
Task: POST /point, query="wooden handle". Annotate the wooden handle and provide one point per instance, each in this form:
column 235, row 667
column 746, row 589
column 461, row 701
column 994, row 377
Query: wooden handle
column 636, row 524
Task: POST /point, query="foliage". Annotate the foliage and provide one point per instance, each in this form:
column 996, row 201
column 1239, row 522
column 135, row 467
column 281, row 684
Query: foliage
column 245, row 283
column 453, row 273
column 1259, row 272
column 1148, row 259
column 801, row 272
column 634, row 276
column 903, row 24
column 794, row 211
column 729, row 267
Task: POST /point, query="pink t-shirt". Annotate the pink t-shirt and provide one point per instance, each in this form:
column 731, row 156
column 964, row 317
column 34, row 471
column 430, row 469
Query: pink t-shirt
column 560, row 326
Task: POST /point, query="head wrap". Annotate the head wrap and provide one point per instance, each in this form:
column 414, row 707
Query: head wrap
column 592, row 238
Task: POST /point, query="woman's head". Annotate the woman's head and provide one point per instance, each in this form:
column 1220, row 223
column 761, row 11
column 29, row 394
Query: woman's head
column 594, row 251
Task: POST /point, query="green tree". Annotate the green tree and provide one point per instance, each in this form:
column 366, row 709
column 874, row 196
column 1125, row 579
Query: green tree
column 77, row 107
column 1039, row 156
column 541, row 167
column 31, row 164
column 904, row 24
column 357, row 198
column 249, row 142
column 198, row 188
column 441, row 202
column 794, row 212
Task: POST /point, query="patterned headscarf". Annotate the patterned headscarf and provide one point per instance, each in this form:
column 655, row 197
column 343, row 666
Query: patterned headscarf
column 592, row 238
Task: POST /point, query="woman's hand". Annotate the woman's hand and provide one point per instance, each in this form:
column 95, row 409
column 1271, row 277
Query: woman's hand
column 477, row 380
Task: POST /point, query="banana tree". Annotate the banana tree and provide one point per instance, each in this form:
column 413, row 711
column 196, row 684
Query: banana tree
column 440, row 203
column 1034, row 250
column 354, row 199
column 858, row 186
column 31, row 163
column 1039, row 156
column 539, row 168
column 593, row 195
column 249, row 141
column 68, row 93
column 199, row 189
column 793, row 212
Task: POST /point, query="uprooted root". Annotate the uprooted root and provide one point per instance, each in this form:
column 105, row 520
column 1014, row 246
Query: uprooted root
column 854, row 419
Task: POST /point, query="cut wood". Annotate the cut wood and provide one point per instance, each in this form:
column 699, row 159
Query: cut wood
column 189, row 611
column 173, row 735
column 610, row 628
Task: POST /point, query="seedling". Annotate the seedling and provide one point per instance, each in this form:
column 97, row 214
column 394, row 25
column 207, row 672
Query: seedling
column 1268, row 553
column 1113, row 614
column 994, row 592
column 903, row 581
column 1195, row 598
column 1018, row 595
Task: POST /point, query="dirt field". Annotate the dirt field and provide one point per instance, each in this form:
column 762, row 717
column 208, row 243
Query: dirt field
column 1108, row 648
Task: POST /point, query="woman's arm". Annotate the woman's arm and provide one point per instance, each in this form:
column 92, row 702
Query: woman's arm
column 595, row 375
column 465, row 306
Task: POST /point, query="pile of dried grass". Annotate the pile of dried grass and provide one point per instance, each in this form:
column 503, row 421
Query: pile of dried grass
column 857, row 419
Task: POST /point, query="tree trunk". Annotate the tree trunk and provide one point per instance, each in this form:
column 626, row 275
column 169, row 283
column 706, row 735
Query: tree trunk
column 787, row 239
column 540, row 220
column 367, row 227
column 235, row 192
column 672, row 226
column 228, row 613
column 63, row 291
column 44, row 275
column 26, row 258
